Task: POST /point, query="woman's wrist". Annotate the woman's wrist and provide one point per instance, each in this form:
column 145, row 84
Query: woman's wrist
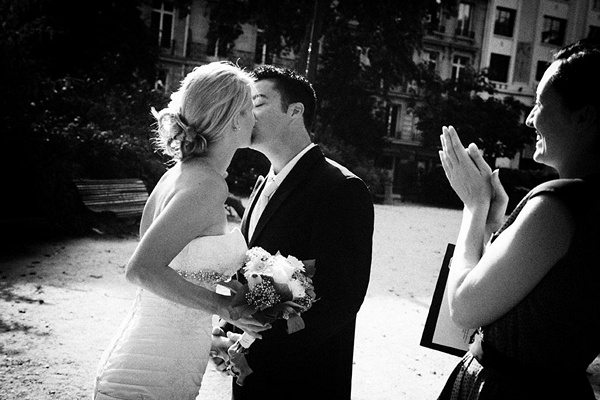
column 477, row 211
column 473, row 230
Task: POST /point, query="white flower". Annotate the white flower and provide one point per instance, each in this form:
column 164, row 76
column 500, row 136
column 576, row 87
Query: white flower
column 258, row 261
column 257, row 253
column 297, row 288
column 282, row 269
column 297, row 264
column 253, row 280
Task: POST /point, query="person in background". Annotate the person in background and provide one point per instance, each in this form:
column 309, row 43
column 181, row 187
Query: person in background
column 162, row 348
column 532, row 287
column 317, row 210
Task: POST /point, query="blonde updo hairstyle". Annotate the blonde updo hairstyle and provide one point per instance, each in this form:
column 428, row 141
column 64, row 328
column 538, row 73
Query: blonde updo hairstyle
column 202, row 109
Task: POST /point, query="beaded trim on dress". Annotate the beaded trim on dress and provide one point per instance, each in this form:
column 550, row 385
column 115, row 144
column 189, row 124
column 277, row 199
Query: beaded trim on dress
column 206, row 276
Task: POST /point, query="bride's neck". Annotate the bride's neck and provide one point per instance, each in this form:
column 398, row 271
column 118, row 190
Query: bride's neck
column 216, row 160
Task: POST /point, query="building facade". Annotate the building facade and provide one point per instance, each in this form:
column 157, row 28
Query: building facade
column 181, row 35
column 512, row 39
column 452, row 42
column 522, row 36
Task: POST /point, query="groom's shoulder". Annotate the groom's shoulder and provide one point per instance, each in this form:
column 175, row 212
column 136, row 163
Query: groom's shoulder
column 344, row 187
column 339, row 170
column 327, row 171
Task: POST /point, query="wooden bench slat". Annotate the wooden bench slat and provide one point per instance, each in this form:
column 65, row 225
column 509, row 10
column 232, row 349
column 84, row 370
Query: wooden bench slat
column 116, row 204
column 124, row 188
column 113, row 199
column 109, row 181
column 124, row 197
column 109, row 189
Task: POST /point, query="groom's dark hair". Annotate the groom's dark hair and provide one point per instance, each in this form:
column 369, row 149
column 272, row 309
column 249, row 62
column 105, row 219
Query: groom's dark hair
column 293, row 88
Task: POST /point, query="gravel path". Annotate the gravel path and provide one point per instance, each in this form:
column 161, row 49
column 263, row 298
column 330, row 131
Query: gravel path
column 61, row 302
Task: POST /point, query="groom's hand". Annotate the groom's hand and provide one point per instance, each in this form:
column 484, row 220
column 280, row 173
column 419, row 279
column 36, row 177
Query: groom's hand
column 218, row 352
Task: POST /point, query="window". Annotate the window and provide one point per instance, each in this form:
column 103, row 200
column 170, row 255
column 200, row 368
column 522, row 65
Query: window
column 458, row 64
column 216, row 47
column 160, row 85
column 596, row 5
column 434, row 16
column 463, row 22
column 431, row 60
column 408, row 131
column 542, row 66
column 161, row 23
column 393, row 119
column 505, row 21
column 261, row 55
column 499, row 67
column 554, row 30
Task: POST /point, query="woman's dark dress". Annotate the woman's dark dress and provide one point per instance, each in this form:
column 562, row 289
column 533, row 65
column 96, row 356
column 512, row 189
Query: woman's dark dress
column 542, row 347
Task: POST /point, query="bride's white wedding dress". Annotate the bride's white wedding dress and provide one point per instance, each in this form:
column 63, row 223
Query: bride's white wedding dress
column 162, row 348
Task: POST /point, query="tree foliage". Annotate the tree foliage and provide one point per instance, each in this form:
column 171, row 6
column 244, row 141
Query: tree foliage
column 284, row 22
column 368, row 47
column 385, row 32
column 76, row 89
column 468, row 104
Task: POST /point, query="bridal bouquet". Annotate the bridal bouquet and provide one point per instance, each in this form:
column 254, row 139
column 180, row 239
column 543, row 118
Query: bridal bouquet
column 278, row 288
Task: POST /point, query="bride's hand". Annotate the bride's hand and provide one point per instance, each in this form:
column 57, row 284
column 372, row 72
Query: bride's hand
column 230, row 315
column 248, row 324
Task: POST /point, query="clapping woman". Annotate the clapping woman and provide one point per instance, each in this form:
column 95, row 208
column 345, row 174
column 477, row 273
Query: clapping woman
column 532, row 283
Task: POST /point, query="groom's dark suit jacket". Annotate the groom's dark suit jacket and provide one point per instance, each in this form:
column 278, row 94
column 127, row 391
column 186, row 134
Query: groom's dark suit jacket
column 321, row 211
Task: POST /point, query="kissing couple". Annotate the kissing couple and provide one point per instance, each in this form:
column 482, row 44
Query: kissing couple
column 307, row 206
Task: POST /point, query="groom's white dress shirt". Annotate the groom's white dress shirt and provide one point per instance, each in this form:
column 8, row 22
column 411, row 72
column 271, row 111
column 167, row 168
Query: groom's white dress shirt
column 273, row 182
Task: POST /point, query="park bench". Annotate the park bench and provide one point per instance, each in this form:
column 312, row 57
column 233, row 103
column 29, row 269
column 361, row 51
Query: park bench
column 123, row 197
column 127, row 197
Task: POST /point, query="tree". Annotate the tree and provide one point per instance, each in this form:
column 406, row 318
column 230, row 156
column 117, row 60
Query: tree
column 468, row 103
column 75, row 101
column 369, row 46
column 281, row 35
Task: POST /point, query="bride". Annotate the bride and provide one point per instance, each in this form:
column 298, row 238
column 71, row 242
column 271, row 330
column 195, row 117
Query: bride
column 162, row 347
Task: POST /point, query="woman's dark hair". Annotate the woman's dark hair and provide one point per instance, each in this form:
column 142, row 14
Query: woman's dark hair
column 293, row 88
column 577, row 79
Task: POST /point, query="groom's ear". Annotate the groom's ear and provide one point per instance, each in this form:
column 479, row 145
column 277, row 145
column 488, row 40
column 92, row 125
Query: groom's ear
column 295, row 110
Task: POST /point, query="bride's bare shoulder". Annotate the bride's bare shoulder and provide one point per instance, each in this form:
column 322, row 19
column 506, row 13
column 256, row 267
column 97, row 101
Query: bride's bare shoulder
column 203, row 182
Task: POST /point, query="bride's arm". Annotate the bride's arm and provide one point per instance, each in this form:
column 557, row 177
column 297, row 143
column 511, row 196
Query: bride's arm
column 190, row 213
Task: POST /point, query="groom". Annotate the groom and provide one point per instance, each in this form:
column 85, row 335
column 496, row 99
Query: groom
column 319, row 210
